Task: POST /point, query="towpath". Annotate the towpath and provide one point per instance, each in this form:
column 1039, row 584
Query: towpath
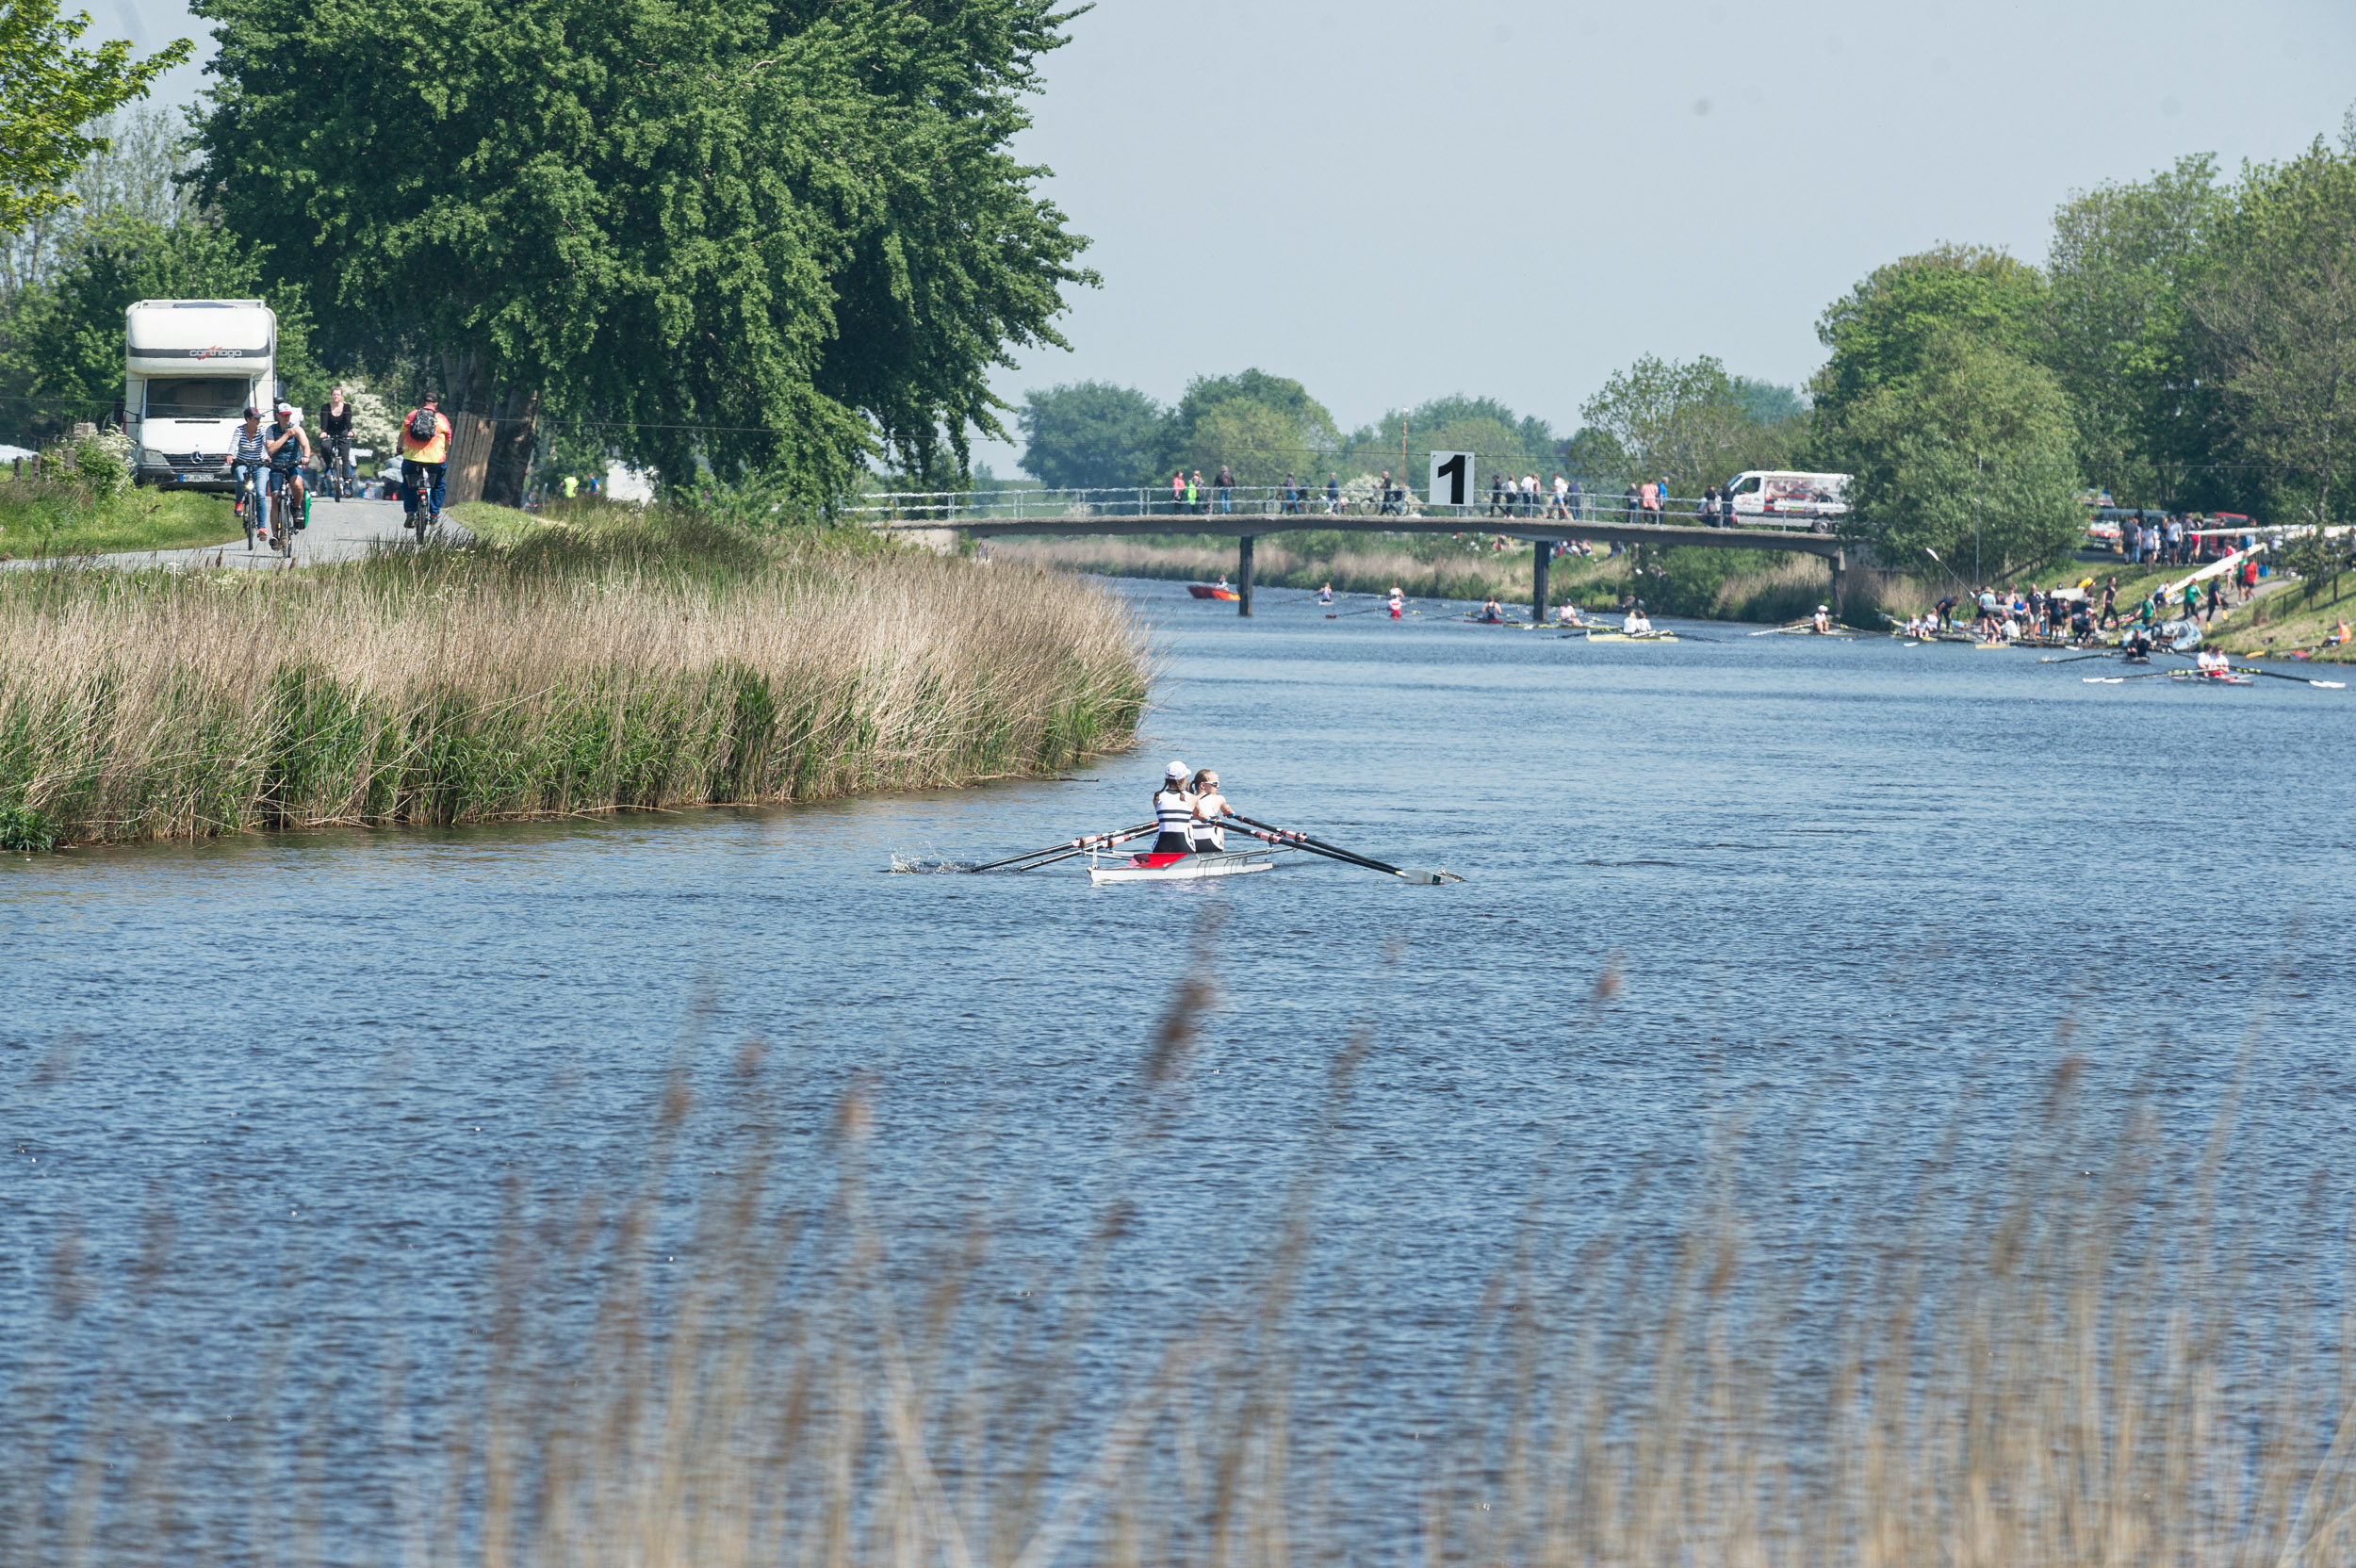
column 339, row 530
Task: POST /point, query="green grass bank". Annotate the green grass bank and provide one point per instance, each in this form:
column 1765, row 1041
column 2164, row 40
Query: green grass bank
column 634, row 662
column 42, row 518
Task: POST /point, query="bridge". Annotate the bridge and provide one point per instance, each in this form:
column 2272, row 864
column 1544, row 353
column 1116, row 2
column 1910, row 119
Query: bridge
column 1253, row 514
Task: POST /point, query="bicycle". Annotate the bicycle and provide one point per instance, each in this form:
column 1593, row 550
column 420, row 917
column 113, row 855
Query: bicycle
column 284, row 519
column 339, row 472
column 250, row 498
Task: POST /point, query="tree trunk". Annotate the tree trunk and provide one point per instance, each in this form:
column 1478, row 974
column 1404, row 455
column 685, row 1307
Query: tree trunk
column 514, row 438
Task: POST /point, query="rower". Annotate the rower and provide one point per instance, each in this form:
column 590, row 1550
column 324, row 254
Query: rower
column 1823, row 620
column 1207, row 835
column 1638, row 624
column 1398, row 600
column 1493, row 611
column 1570, row 615
column 1173, row 813
column 1325, row 595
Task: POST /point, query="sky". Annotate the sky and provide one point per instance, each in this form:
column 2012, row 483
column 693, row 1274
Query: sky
column 1393, row 201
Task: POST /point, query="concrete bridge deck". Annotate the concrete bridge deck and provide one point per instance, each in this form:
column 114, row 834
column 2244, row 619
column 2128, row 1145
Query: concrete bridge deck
column 1247, row 528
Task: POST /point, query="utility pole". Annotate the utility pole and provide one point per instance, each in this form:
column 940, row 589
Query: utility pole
column 1978, row 463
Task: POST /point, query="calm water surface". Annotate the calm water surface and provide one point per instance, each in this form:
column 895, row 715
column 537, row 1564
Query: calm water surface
column 1856, row 887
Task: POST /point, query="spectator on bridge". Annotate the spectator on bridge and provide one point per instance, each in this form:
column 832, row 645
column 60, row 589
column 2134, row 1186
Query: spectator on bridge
column 1726, row 507
column 1194, row 491
column 1288, row 501
column 1178, row 491
column 1332, row 494
column 1648, row 502
column 1562, row 496
column 1496, row 494
column 1529, row 494
column 1709, row 512
column 1628, row 504
column 1577, row 501
column 1226, row 489
column 1390, row 504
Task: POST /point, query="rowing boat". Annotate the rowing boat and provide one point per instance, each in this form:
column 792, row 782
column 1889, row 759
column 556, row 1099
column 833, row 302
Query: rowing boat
column 2212, row 677
column 1205, row 590
column 1180, row 867
column 1632, row 636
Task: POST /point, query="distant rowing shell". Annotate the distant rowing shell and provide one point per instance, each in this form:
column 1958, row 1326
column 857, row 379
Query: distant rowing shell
column 1632, row 636
column 2206, row 679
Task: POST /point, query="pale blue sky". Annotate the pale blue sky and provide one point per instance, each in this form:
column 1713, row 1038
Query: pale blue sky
column 1393, row 201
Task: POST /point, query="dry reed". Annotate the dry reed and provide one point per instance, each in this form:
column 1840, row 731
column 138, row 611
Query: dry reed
column 574, row 677
column 2050, row 1354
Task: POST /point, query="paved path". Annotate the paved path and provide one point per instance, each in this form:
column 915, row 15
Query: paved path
column 339, row 530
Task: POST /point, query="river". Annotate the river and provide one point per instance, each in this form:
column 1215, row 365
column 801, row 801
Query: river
column 1844, row 886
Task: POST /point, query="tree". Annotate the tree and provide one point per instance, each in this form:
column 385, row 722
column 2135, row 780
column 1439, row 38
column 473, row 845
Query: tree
column 1681, row 421
column 50, row 93
column 1501, row 441
column 2125, row 263
column 1767, row 403
column 1879, row 332
column 1972, row 456
column 132, row 174
column 2276, row 324
column 66, row 348
column 1089, row 434
column 1257, row 424
column 769, row 235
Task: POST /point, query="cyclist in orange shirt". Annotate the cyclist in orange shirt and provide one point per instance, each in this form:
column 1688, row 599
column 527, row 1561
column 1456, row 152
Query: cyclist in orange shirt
column 424, row 461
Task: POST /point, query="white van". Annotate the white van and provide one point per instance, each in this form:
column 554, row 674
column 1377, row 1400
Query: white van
column 1769, row 495
column 191, row 368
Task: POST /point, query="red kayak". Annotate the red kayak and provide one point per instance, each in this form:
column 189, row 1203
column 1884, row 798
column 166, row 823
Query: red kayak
column 1204, row 591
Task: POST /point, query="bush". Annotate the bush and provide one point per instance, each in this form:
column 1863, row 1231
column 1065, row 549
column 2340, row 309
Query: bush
column 26, row 831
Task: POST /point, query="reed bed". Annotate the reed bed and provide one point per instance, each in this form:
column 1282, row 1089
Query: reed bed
column 1457, row 574
column 574, row 674
column 2064, row 1349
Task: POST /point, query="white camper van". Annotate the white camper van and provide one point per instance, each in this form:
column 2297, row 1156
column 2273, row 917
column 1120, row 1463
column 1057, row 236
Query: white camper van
column 191, row 366
column 1776, row 495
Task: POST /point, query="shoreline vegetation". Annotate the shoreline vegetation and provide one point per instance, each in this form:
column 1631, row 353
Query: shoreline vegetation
column 624, row 661
column 786, row 1335
column 43, row 518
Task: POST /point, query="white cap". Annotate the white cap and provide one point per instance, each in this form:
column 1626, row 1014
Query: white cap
column 1176, row 770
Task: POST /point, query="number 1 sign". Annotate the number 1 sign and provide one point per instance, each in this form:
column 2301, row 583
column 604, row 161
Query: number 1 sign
column 1451, row 478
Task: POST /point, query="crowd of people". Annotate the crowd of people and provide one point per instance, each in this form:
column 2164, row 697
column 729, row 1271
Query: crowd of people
column 2081, row 612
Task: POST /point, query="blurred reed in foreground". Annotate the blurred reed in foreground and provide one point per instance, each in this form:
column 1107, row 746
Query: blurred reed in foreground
column 577, row 672
column 2061, row 1355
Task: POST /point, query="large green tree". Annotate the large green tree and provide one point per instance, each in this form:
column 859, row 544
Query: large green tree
column 1685, row 421
column 1090, row 434
column 778, row 234
column 1879, row 332
column 2276, row 329
column 1501, row 441
column 1262, row 427
column 2125, row 265
column 50, row 93
column 1971, row 457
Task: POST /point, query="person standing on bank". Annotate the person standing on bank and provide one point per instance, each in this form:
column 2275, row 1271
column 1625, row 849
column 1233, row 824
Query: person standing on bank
column 425, row 460
column 1173, row 813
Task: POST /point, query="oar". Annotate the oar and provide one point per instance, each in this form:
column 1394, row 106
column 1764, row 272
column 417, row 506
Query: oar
column 1336, row 852
column 2078, row 660
column 1070, row 847
column 2270, row 675
column 2122, row 680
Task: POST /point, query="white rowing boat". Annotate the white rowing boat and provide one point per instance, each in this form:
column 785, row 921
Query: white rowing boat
column 1180, row 867
column 1632, row 636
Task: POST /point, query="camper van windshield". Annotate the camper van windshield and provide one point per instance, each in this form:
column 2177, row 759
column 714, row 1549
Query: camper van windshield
column 197, row 398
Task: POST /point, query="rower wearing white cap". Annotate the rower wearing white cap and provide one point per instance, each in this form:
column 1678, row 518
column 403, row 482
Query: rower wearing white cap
column 1823, row 620
column 1173, row 812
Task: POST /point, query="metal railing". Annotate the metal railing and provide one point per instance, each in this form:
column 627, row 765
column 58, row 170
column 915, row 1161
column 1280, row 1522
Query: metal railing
column 1297, row 506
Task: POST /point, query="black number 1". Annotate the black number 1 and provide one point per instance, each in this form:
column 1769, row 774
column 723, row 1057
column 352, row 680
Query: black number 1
column 1454, row 470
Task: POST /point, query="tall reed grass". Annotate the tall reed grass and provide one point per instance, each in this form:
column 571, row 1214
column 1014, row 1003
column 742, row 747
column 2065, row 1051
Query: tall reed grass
column 2070, row 1347
column 574, row 673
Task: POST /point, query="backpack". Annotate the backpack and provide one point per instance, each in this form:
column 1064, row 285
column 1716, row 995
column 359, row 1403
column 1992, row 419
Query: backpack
column 423, row 425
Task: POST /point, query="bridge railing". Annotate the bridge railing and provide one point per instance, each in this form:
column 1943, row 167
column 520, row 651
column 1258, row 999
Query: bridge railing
column 1295, row 507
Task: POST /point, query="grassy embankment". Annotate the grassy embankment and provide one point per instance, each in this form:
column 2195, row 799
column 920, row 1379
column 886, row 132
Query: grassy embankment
column 2071, row 1344
column 44, row 518
column 1715, row 584
column 653, row 662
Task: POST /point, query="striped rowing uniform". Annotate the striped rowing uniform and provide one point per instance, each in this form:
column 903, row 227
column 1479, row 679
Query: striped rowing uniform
column 1209, row 838
column 1173, row 813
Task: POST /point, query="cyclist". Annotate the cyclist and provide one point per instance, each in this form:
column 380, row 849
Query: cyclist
column 424, row 460
column 248, row 458
column 336, row 441
column 289, row 448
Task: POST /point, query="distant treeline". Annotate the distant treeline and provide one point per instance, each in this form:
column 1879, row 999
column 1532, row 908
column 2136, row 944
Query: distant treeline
column 2189, row 344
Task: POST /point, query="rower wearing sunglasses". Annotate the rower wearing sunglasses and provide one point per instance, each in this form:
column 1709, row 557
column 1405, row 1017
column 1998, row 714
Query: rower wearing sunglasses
column 1207, row 837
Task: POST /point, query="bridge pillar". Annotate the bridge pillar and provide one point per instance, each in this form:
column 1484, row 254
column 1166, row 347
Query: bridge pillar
column 1243, row 576
column 1838, row 566
column 1541, row 558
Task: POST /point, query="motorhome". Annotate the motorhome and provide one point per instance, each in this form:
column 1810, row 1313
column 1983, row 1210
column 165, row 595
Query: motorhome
column 191, row 369
column 1774, row 496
